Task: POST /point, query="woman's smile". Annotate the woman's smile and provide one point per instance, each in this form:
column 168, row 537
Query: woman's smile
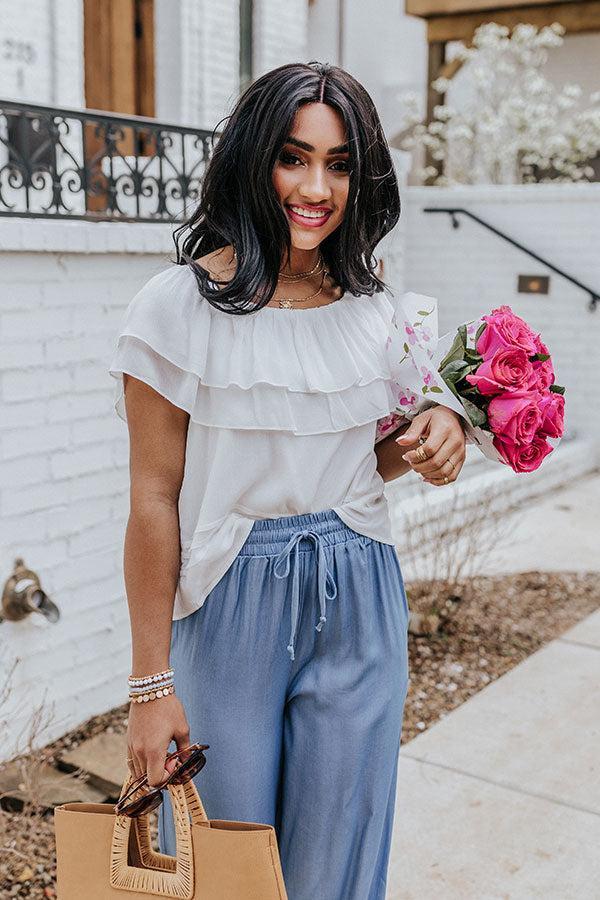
column 306, row 217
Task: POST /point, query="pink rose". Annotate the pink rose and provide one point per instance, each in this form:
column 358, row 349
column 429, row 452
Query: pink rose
column 552, row 408
column 524, row 457
column 509, row 369
column 544, row 370
column 505, row 329
column 515, row 418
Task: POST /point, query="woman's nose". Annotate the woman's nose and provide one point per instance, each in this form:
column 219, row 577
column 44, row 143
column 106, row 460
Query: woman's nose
column 315, row 187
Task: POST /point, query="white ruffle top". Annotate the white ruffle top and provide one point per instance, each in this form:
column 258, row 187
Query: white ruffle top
column 283, row 406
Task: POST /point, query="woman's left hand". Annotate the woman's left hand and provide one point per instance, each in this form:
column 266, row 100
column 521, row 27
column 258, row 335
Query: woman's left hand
column 441, row 457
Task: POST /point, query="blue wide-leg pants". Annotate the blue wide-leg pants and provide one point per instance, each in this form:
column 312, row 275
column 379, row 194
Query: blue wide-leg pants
column 295, row 672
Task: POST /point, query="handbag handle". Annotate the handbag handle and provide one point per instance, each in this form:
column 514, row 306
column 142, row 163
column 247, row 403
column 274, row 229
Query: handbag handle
column 170, row 876
column 146, row 853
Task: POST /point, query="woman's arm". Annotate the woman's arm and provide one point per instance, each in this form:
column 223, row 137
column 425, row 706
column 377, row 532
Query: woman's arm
column 152, row 558
column 390, row 464
column 443, row 449
column 157, row 436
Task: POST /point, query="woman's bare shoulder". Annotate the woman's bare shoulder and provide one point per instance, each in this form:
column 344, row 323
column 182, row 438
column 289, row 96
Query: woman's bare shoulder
column 220, row 263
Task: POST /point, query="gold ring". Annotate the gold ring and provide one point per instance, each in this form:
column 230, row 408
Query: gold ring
column 445, row 479
column 421, row 454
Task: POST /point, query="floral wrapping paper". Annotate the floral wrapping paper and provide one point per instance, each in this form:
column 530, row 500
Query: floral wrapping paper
column 415, row 350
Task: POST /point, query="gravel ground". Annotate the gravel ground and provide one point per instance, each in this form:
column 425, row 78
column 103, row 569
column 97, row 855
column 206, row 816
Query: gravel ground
column 499, row 621
column 503, row 620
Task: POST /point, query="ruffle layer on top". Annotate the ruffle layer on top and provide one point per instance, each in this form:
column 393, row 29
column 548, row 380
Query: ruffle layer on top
column 311, row 370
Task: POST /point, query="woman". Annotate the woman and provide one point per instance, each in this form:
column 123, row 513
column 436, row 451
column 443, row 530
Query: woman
column 259, row 560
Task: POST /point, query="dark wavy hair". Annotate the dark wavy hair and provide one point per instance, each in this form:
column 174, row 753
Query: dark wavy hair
column 239, row 204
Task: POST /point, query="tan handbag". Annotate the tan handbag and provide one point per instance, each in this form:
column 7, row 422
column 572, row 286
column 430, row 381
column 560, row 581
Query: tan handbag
column 101, row 855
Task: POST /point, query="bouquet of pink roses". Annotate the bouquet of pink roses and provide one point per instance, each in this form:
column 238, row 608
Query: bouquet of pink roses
column 495, row 371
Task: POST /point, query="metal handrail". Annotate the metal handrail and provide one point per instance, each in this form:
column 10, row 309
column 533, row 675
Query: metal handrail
column 453, row 211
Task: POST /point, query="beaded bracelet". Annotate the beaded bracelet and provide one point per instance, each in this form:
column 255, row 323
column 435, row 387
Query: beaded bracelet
column 149, row 679
column 149, row 687
column 145, row 682
column 152, row 695
column 155, row 687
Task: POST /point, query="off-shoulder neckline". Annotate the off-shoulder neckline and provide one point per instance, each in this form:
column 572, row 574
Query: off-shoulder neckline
column 304, row 309
column 307, row 313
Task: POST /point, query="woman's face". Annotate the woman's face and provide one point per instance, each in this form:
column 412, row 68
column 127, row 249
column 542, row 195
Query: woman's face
column 313, row 177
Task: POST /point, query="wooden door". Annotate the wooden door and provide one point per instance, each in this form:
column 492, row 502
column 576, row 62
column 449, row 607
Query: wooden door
column 119, row 77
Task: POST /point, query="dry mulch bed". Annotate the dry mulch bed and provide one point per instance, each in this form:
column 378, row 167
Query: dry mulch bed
column 503, row 621
column 499, row 622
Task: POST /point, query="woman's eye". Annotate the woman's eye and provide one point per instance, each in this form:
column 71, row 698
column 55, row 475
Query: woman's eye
column 287, row 157
column 290, row 158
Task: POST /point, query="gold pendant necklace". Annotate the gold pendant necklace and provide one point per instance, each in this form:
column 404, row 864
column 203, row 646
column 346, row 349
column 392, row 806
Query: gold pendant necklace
column 288, row 302
column 297, row 276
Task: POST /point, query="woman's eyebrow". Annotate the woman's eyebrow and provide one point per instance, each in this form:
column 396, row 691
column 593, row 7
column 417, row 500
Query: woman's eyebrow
column 341, row 148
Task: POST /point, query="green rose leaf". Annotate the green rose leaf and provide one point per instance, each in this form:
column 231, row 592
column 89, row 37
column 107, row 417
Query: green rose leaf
column 455, row 370
column 473, row 357
column 476, row 415
column 456, row 351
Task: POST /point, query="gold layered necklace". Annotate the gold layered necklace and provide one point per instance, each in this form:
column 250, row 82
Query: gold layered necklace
column 289, row 302
column 298, row 275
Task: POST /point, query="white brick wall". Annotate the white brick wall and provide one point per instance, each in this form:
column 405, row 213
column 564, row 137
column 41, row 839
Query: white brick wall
column 280, row 33
column 64, row 458
column 41, row 51
column 391, row 250
column 209, row 54
column 471, row 270
column 197, row 53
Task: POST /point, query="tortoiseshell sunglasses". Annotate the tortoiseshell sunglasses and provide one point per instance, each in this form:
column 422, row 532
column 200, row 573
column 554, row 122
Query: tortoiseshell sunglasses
column 151, row 799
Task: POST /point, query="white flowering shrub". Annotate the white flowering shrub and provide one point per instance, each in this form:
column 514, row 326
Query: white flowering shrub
column 515, row 125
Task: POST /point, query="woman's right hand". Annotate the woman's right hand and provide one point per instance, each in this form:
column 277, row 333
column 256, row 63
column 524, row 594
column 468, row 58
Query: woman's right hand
column 150, row 729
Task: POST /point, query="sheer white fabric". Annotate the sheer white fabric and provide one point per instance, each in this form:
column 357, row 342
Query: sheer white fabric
column 283, row 407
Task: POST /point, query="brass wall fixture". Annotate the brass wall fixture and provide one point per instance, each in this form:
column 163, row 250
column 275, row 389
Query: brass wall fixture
column 533, row 284
column 23, row 594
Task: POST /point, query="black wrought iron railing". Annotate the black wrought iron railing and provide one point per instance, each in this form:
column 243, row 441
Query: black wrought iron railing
column 454, row 212
column 89, row 164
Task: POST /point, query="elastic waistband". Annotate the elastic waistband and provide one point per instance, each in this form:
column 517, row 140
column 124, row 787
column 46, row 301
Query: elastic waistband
column 271, row 535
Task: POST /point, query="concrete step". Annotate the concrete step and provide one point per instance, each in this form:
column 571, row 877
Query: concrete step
column 21, row 781
column 103, row 757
